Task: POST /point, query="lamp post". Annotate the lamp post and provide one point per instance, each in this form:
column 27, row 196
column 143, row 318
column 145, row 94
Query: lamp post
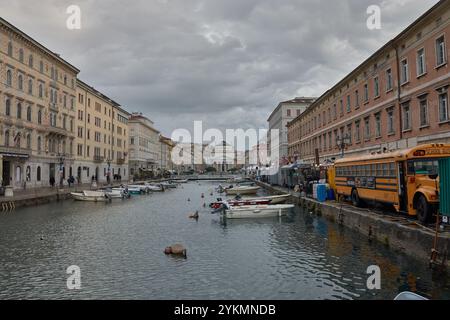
column 108, row 177
column 342, row 143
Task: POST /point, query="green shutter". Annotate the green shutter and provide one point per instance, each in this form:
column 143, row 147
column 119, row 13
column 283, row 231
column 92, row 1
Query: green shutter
column 444, row 181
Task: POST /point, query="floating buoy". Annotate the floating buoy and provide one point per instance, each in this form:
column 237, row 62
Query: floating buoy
column 194, row 215
column 204, row 205
column 189, row 199
column 203, row 195
column 176, row 249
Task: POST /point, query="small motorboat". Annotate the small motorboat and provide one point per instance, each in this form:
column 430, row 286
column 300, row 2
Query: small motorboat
column 141, row 187
column 129, row 189
column 239, row 203
column 258, row 211
column 155, row 187
column 87, row 195
column 273, row 199
column 242, row 190
column 118, row 194
column 169, row 185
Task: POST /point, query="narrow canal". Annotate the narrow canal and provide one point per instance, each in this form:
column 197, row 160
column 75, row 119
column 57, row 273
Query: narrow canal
column 119, row 249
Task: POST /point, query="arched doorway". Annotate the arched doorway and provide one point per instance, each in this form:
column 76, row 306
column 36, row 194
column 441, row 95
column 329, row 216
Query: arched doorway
column 96, row 173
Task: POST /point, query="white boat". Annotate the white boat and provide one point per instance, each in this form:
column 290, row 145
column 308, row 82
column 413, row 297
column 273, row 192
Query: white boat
column 257, row 211
column 155, row 187
column 180, row 181
column 242, row 190
column 117, row 194
column 273, row 199
column 87, row 195
column 129, row 190
column 141, row 187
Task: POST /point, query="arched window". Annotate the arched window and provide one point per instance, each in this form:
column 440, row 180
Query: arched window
column 41, row 91
column 19, row 111
column 39, row 117
column 41, row 66
column 6, row 138
column 9, row 78
column 8, row 107
column 10, row 49
column 52, row 73
column 21, row 55
column 38, row 174
column 30, row 87
column 28, row 174
column 29, row 141
column 39, row 144
column 65, row 101
column 20, row 82
column 30, row 61
column 29, row 113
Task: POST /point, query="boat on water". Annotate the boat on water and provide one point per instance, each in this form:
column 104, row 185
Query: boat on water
column 278, row 199
column 155, row 187
column 238, row 203
column 257, row 211
column 242, row 190
column 141, row 187
column 87, row 195
column 129, row 189
column 117, row 194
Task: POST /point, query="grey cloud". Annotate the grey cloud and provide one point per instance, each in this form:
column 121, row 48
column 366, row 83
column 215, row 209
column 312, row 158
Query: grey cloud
column 226, row 62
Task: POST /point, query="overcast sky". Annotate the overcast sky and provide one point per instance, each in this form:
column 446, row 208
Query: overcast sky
column 226, row 62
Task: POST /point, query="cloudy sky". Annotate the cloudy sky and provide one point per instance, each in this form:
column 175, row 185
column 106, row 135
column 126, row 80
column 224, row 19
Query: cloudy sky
column 226, row 62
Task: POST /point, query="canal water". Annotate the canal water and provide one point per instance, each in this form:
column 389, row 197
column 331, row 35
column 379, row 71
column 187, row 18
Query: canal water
column 119, row 249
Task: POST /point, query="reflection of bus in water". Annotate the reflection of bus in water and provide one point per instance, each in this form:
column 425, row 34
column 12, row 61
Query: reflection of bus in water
column 407, row 179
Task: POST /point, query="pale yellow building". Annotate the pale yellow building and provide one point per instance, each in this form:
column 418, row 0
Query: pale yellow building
column 37, row 111
column 101, row 129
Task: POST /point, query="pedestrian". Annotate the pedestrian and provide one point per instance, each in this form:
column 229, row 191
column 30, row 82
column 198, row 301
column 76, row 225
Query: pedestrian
column 52, row 181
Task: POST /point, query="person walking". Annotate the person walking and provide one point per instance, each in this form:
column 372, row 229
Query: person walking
column 52, row 181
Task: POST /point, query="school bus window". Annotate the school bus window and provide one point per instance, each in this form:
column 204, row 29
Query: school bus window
column 392, row 169
column 410, row 167
column 385, row 170
column 373, row 170
column 426, row 167
column 367, row 170
column 379, row 170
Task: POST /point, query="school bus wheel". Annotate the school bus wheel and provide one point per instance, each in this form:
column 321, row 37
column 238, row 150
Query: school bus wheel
column 423, row 209
column 356, row 200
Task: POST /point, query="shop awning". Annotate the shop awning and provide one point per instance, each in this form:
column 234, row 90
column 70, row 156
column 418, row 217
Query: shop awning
column 15, row 155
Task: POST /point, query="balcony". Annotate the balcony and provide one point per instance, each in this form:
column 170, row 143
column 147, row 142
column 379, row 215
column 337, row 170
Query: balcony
column 120, row 161
column 56, row 130
column 15, row 152
column 99, row 159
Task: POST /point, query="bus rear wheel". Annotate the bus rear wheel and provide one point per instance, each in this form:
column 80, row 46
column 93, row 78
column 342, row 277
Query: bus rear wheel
column 423, row 210
column 355, row 199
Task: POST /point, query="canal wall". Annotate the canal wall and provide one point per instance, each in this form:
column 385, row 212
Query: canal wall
column 396, row 232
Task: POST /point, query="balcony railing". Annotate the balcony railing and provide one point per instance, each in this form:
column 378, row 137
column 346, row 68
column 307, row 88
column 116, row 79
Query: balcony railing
column 99, row 159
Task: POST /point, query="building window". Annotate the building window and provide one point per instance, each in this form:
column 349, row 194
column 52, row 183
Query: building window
column 21, row 55
column 30, row 87
column 367, row 128
column 421, row 69
column 9, row 78
column 20, row 82
column 41, row 66
column 30, row 61
column 443, row 107
column 288, row 112
column 406, row 116
column 39, row 117
column 404, row 71
column 10, row 49
column 29, row 141
column 440, row 51
column 389, row 81
column 366, row 92
column 423, row 107
column 378, row 125
column 376, row 83
column 341, row 103
column 348, row 103
column 39, row 144
column 334, row 112
column 390, row 121
column 357, row 131
column 19, row 111
column 6, row 138
column 8, row 107
column 356, row 99
column 29, row 113
column 349, row 133
column 38, row 174
column 41, row 91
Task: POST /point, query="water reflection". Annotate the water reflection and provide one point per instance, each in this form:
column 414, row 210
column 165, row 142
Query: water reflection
column 119, row 248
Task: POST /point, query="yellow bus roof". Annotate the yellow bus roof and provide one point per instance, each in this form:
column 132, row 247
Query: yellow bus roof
column 402, row 154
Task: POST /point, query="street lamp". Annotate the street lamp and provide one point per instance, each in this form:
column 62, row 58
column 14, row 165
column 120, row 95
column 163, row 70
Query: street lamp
column 108, row 177
column 342, row 143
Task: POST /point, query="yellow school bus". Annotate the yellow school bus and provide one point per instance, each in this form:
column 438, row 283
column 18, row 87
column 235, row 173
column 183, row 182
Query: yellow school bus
column 407, row 179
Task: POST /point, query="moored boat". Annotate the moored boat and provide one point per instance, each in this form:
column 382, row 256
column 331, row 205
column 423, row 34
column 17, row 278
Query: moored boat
column 258, row 211
column 242, row 190
column 239, row 203
column 87, row 195
column 278, row 199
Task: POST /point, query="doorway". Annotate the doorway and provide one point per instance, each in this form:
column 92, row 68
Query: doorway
column 6, row 173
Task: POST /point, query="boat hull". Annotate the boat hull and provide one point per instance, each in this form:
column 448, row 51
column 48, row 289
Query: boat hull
column 83, row 196
column 242, row 191
column 252, row 212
